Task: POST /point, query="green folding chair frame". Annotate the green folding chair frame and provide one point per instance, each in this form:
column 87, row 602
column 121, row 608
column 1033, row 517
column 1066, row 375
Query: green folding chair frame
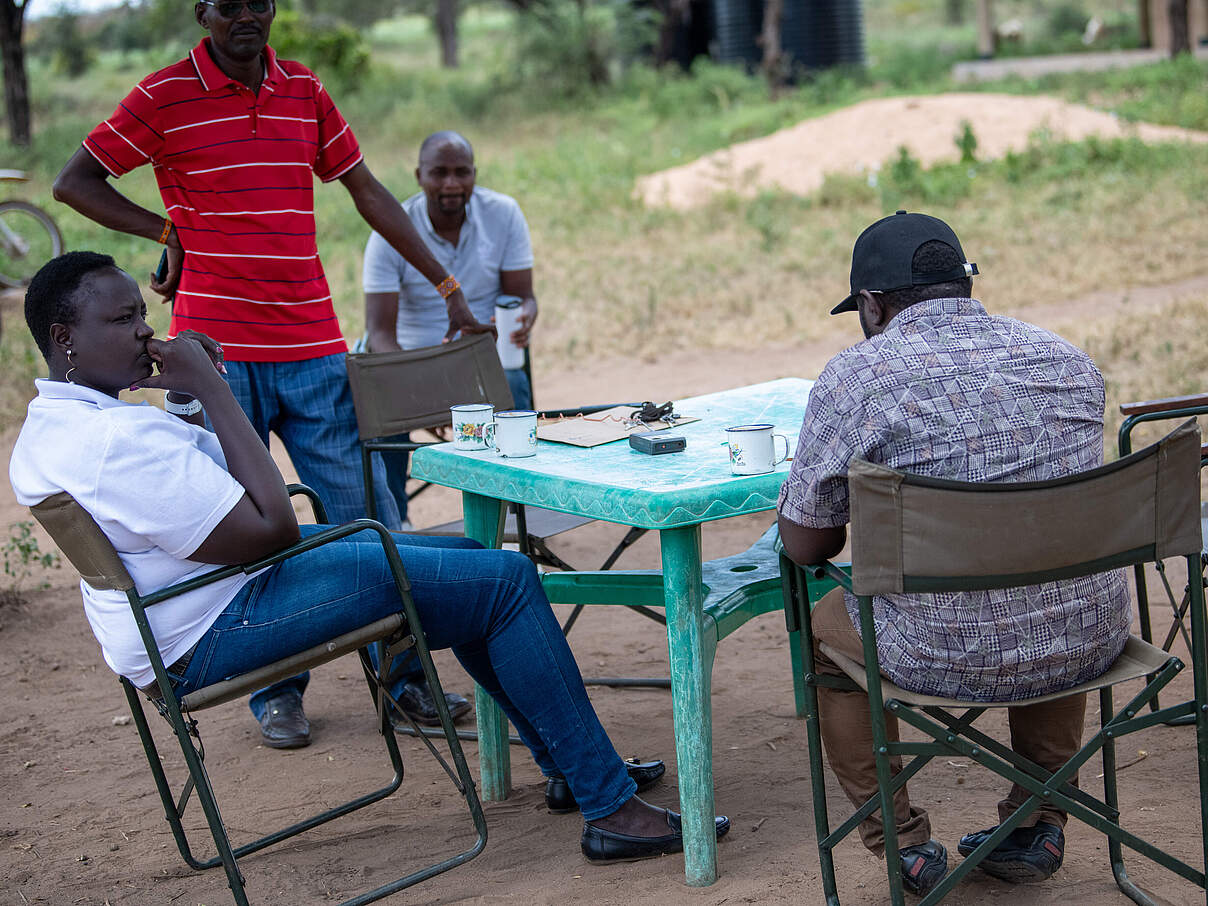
column 1136, row 414
column 88, row 549
column 913, row 535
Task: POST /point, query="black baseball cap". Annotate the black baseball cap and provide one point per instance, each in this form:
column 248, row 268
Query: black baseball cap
column 882, row 257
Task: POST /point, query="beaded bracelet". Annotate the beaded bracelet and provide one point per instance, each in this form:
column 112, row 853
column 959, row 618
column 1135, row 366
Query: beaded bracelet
column 163, row 237
column 448, row 286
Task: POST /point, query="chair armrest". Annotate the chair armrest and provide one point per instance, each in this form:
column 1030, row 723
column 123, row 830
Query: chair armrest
column 839, row 572
column 306, row 544
column 316, row 505
column 1144, row 407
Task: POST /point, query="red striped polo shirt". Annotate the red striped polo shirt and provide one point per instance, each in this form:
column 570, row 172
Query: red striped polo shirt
column 234, row 171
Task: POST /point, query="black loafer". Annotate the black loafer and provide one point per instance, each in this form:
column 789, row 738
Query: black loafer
column 1028, row 854
column 561, row 801
column 417, row 703
column 284, row 724
column 601, row 846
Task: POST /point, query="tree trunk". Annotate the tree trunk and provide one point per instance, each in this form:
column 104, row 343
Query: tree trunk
column 769, row 39
column 1144, row 32
column 446, row 32
column 985, row 29
column 1180, row 30
column 16, row 84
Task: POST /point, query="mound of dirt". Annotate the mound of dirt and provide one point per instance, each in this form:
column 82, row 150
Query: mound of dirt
column 860, row 138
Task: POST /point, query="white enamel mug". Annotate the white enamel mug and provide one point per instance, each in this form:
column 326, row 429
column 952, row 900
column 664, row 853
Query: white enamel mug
column 473, row 426
column 516, row 433
column 753, row 449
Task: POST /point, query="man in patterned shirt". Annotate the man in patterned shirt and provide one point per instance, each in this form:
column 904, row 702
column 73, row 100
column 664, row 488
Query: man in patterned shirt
column 941, row 388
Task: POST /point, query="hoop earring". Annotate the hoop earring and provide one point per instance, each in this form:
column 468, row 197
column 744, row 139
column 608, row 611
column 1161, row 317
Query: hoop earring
column 67, row 377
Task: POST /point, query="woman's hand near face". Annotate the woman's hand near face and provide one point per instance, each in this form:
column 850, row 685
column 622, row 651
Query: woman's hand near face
column 190, row 363
column 263, row 521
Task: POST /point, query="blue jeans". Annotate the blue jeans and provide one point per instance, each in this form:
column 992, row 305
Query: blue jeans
column 395, row 461
column 309, row 405
column 486, row 605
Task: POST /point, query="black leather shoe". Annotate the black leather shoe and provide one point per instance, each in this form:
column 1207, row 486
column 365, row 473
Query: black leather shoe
column 561, row 801
column 284, row 725
column 416, row 701
column 1028, row 854
column 603, row 846
column 923, row 866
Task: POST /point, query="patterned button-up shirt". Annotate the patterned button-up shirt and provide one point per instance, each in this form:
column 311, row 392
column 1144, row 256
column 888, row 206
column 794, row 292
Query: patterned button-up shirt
column 950, row 391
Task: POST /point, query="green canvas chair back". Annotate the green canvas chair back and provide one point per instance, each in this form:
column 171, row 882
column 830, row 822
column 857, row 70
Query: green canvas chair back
column 394, row 392
column 82, row 542
column 911, row 533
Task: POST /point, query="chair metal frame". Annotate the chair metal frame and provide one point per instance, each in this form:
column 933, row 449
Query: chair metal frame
column 467, row 370
column 80, row 537
column 1170, row 461
column 1135, row 414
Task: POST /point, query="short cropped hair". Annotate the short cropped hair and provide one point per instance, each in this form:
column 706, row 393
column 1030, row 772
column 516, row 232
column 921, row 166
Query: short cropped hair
column 52, row 297
column 930, row 257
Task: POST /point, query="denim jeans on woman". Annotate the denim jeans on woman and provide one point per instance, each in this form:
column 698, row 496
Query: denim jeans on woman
column 486, row 605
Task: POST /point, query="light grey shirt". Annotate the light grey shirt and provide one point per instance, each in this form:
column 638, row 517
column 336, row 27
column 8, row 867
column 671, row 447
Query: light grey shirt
column 494, row 238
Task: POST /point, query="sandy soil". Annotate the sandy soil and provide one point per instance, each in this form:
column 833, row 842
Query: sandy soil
column 860, row 138
column 81, row 823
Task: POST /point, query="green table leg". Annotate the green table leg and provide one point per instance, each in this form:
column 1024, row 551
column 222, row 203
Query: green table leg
column 484, row 523
column 690, row 699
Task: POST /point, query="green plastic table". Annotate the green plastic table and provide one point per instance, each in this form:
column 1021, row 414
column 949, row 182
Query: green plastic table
column 672, row 494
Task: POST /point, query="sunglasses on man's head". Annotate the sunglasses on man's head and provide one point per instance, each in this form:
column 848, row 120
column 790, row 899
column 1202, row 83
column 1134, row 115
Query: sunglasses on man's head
column 229, row 9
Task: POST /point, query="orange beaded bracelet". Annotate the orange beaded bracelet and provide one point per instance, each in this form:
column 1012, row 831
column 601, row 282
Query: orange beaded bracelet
column 163, row 237
column 448, row 286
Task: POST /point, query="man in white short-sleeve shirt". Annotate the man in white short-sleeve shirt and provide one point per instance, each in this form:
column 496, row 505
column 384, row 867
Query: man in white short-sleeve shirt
column 480, row 233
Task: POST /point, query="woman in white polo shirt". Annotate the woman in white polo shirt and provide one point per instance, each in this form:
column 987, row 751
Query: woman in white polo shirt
column 175, row 499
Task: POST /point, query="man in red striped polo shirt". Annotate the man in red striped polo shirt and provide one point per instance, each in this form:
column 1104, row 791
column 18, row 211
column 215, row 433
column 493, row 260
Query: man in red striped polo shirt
column 236, row 137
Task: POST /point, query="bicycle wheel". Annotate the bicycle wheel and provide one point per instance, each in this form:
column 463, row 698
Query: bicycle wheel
column 28, row 239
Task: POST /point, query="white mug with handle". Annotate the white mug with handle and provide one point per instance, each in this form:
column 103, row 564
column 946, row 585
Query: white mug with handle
column 473, row 426
column 753, row 449
column 516, row 433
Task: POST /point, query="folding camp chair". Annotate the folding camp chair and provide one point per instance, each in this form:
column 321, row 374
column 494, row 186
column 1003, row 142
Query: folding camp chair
column 1136, row 414
column 397, row 392
column 89, row 550
column 912, row 535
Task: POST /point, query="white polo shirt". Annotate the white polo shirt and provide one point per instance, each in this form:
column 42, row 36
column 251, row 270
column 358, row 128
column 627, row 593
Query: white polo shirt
column 157, row 486
column 494, row 238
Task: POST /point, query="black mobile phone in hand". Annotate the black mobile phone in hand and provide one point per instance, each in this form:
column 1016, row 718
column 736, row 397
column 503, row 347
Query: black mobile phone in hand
column 161, row 271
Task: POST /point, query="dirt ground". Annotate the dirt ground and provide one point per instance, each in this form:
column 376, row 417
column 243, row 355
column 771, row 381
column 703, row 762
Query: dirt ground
column 80, row 822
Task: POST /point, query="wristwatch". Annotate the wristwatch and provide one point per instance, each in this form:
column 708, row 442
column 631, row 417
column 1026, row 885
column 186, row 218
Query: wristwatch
column 192, row 407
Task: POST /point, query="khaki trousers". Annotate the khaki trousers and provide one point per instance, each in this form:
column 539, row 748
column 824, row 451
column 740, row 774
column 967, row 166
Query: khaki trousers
column 1048, row 734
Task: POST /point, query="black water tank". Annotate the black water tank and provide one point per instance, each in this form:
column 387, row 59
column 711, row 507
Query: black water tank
column 814, row 34
column 736, row 25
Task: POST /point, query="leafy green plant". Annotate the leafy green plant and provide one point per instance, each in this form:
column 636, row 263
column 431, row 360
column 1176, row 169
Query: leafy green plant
column 22, row 555
column 966, row 142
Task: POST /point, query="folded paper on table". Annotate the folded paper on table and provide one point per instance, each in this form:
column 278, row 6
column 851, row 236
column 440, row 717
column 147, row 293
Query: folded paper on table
column 602, row 427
